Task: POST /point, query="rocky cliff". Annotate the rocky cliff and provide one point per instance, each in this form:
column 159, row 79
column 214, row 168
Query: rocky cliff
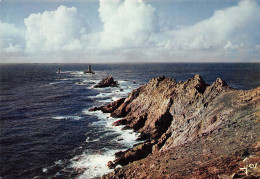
column 192, row 130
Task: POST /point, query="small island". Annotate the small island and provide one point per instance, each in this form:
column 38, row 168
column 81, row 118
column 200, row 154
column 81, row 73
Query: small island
column 107, row 82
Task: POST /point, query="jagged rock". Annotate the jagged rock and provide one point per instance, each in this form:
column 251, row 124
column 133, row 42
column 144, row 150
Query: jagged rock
column 110, row 165
column 109, row 108
column 118, row 154
column 119, row 122
column 107, row 82
column 146, row 108
column 195, row 129
column 136, row 153
column 201, row 85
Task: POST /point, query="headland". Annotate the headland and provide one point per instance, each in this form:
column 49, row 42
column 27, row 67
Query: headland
column 191, row 130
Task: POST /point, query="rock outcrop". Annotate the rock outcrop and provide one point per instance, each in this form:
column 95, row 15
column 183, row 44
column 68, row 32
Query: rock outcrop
column 192, row 130
column 110, row 107
column 107, row 82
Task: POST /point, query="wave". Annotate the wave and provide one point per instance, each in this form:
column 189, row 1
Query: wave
column 67, row 117
column 92, row 164
column 54, row 83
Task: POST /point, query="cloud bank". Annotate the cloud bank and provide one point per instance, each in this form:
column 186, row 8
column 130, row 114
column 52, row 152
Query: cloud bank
column 230, row 28
column 126, row 24
column 131, row 28
column 11, row 38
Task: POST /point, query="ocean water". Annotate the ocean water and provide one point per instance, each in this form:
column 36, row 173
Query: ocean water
column 47, row 130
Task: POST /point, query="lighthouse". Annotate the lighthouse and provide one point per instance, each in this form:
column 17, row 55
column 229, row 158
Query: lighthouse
column 89, row 70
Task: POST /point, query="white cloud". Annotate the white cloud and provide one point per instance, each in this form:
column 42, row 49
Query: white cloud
column 127, row 23
column 230, row 24
column 54, row 30
column 11, row 38
column 230, row 46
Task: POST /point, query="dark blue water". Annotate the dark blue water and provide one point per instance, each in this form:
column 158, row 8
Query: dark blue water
column 43, row 123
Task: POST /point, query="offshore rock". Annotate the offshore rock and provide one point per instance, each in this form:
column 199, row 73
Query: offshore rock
column 107, row 82
column 194, row 130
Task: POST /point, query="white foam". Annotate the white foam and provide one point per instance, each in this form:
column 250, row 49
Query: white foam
column 67, row 117
column 89, row 140
column 103, row 89
column 77, row 72
column 65, row 71
column 59, row 162
column 93, row 164
column 106, row 100
column 129, row 136
column 80, row 84
column 100, row 95
column 65, row 79
column 99, row 114
column 90, row 81
column 106, row 121
column 115, row 98
column 53, row 83
column 44, row 170
column 100, row 123
column 114, row 95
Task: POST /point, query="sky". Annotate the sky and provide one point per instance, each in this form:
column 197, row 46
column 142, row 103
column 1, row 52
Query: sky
column 117, row 31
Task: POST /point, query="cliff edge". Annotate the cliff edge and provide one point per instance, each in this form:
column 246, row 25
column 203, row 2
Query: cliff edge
column 191, row 130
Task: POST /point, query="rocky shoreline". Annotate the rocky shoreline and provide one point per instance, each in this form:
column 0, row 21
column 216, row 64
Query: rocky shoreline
column 191, row 130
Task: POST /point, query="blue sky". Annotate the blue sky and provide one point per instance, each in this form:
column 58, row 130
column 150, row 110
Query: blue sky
column 93, row 31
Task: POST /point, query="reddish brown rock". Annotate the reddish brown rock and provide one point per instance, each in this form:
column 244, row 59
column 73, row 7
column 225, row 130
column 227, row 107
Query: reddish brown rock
column 146, row 109
column 119, row 122
column 136, row 153
column 195, row 130
column 110, row 165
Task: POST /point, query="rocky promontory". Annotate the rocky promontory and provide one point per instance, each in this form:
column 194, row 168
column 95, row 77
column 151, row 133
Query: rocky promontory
column 191, row 130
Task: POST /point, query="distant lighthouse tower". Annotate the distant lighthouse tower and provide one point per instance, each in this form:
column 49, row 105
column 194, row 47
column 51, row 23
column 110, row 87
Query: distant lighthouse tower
column 89, row 70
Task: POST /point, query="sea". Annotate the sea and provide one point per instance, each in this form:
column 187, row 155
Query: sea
column 47, row 130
